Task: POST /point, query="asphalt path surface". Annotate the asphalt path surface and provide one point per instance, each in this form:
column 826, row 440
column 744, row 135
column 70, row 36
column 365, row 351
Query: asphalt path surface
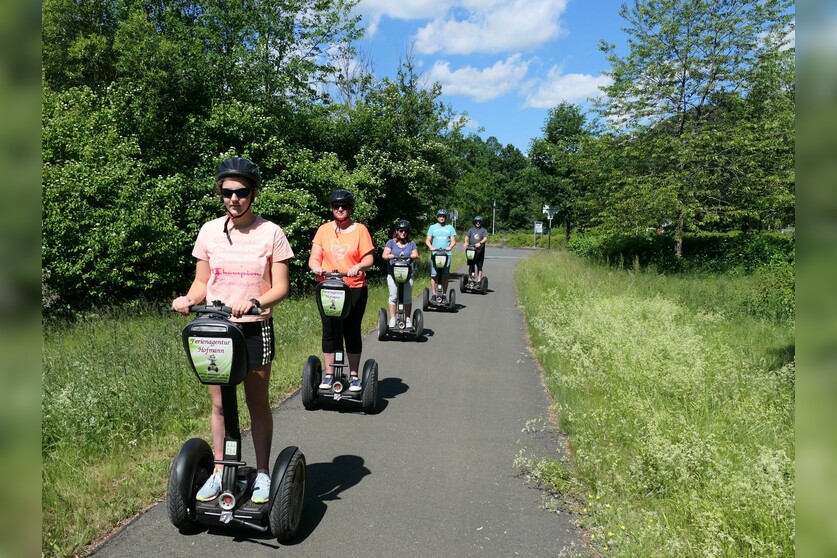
column 432, row 472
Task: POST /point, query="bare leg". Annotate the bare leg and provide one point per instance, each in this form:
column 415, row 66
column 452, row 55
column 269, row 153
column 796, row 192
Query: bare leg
column 261, row 419
column 216, row 423
column 392, row 310
column 328, row 360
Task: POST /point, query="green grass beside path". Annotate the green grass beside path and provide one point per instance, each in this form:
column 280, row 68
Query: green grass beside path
column 678, row 406
column 119, row 399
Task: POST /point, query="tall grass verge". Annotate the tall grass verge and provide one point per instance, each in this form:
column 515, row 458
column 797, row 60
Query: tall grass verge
column 678, row 405
column 118, row 400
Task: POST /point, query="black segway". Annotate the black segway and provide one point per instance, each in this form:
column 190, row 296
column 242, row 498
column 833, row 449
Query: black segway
column 332, row 300
column 401, row 273
column 469, row 283
column 440, row 301
column 218, row 356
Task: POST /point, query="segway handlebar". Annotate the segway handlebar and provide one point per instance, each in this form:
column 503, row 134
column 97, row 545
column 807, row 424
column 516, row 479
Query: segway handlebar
column 218, row 308
column 334, row 274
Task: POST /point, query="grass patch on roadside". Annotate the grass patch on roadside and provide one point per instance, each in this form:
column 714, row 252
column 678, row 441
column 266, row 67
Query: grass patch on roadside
column 529, row 240
column 678, row 403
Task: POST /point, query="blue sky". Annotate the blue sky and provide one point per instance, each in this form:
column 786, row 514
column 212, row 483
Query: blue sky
column 504, row 62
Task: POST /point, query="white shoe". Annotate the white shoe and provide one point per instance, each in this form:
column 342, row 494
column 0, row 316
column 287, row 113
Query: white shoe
column 392, row 322
column 408, row 323
column 261, row 489
column 211, row 488
column 328, row 379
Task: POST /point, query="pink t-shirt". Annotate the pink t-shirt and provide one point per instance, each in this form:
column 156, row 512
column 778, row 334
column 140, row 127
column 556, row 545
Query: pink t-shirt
column 239, row 265
column 344, row 250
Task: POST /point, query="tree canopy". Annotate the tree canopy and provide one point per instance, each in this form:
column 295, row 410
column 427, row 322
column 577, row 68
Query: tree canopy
column 141, row 100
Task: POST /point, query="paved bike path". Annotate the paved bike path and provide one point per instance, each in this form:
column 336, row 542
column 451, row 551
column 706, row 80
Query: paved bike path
column 432, row 473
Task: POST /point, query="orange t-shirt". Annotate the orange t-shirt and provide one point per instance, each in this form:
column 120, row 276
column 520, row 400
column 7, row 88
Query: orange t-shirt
column 342, row 250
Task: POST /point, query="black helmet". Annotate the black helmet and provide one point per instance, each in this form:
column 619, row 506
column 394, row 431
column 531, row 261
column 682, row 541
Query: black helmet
column 477, row 219
column 342, row 196
column 239, row 166
column 402, row 224
column 442, row 212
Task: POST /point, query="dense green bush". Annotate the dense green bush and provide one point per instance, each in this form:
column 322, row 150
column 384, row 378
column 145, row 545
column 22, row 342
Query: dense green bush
column 702, row 252
column 775, row 295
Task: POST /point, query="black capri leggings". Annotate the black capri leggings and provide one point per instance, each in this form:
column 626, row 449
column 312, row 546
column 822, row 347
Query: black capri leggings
column 479, row 258
column 351, row 325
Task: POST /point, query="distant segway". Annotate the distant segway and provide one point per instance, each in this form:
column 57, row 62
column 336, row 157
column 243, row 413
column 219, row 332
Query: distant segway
column 332, row 300
column 439, row 301
column 470, row 283
column 218, row 356
column 401, row 273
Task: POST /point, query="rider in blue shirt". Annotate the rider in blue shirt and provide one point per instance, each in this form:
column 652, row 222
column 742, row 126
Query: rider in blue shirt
column 440, row 236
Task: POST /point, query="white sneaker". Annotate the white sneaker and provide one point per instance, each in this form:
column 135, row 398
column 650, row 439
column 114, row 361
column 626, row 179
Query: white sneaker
column 408, row 323
column 328, row 379
column 261, row 489
column 354, row 385
column 210, row 489
column 392, row 322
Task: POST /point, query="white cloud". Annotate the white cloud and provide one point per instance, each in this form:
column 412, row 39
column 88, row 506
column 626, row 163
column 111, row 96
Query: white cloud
column 556, row 87
column 480, row 84
column 374, row 10
column 406, row 9
column 493, row 26
column 468, row 26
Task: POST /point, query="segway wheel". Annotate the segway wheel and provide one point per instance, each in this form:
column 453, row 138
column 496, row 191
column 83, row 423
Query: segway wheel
column 425, row 299
column 287, row 493
column 382, row 325
column 462, row 282
column 189, row 471
column 369, row 395
column 312, row 375
column 484, row 285
column 418, row 324
column 452, row 300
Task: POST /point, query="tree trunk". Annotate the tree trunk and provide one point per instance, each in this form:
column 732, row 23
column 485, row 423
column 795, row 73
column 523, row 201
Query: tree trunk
column 678, row 236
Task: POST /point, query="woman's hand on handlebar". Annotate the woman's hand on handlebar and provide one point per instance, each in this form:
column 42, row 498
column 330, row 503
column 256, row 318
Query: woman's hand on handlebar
column 354, row 271
column 242, row 308
column 182, row 304
column 317, row 270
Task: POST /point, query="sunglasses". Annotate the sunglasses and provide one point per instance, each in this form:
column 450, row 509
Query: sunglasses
column 241, row 192
column 345, row 206
column 401, row 230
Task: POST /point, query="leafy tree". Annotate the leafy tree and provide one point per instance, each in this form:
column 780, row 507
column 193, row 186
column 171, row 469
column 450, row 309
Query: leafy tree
column 685, row 56
column 557, row 155
column 490, row 173
column 398, row 137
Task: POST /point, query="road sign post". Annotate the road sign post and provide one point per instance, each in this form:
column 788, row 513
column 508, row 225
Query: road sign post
column 549, row 211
